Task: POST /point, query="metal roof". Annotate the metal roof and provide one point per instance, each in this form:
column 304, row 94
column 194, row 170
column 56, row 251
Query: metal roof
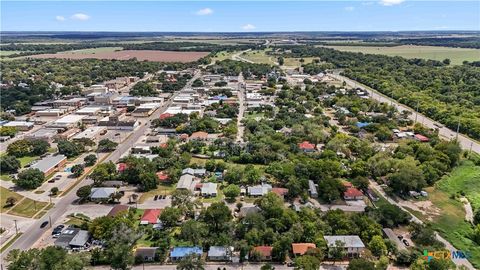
column 351, row 241
column 179, row 252
column 80, row 239
column 48, row 162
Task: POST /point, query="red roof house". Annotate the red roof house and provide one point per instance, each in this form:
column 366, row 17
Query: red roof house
column 306, row 146
column 163, row 177
column 199, row 135
column 150, row 216
column 280, row 191
column 121, row 167
column 420, row 137
column 264, row 251
column 353, row 194
column 302, row 248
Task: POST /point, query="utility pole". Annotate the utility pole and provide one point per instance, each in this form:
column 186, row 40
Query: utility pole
column 16, row 228
column 50, row 221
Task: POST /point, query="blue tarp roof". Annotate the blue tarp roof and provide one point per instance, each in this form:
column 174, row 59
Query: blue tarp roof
column 184, row 251
column 362, row 124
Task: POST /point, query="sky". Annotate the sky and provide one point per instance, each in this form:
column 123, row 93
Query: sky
column 239, row 16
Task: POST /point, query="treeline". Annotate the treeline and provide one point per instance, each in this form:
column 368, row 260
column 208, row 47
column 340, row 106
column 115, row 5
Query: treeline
column 464, row 42
column 185, row 46
column 233, row 68
column 447, row 94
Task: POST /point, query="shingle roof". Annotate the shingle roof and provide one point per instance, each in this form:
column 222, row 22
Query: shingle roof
column 151, row 216
column 265, row 251
column 117, row 209
column 102, row 192
column 302, row 248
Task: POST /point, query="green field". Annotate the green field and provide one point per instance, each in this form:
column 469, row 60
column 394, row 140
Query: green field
column 94, row 50
column 4, row 194
column 456, row 55
column 259, row 56
column 451, row 222
column 7, row 53
column 223, row 55
column 27, row 208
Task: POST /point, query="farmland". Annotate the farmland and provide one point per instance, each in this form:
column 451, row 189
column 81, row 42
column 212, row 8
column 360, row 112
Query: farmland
column 141, row 55
column 456, row 55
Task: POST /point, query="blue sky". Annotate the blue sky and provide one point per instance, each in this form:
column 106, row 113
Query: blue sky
column 241, row 16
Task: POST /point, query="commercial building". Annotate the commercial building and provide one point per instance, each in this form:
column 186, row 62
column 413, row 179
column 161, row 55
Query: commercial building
column 145, row 110
column 20, row 125
column 73, row 238
column 44, row 134
column 73, row 102
column 50, row 164
column 89, row 111
column 67, row 121
column 93, row 133
column 50, row 112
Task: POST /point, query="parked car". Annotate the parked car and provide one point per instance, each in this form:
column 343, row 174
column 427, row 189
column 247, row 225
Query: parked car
column 400, row 237
column 155, row 198
column 44, row 224
column 51, row 180
column 406, row 242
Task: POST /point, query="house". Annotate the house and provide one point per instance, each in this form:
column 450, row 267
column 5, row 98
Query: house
column 306, row 146
column 117, row 209
column 312, row 189
column 186, row 182
column 246, row 210
column 209, row 190
column 73, row 238
column 353, row 244
column 281, row 192
column 265, row 252
column 50, row 164
column 163, row 177
column 194, row 172
column 179, row 253
column 300, row 249
column 421, row 138
column 220, row 253
column 150, row 216
column 352, row 194
column 102, row 193
column 259, row 190
column 199, row 136
column 146, row 253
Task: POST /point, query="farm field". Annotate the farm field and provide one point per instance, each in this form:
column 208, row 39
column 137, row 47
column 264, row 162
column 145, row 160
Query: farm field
column 141, row 55
column 450, row 222
column 456, row 55
column 94, row 50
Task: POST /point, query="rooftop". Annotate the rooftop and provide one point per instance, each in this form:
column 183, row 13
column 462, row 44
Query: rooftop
column 351, row 241
column 48, row 162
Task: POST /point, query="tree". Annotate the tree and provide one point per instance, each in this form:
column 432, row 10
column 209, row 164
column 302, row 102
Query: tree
column 84, row 192
column 120, row 245
column 408, row 176
column 103, row 172
column 145, row 89
column 10, row 201
column 390, row 215
column 148, row 181
column 54, row 191
column 361, row 182
column 476, row 234
column 39, row 147
column 182, row 199
column 307, row 262
column 197, row 83
column 69, row 149
column 377, row 246
column 271, row 205
column 170, row 216
column 361, row 264
column 440, row 264
column 9, row 164
column 446, row 61
column 337, row 251
column 191, row 262
column 30, row 179
column 106, row 145
column 90, row 160
column 78, row 169
column 331, row 189
column 281, row 61
column 231, row 192
column 193, row 231
column 217, row 217
column 19, row 148
column 8, row 131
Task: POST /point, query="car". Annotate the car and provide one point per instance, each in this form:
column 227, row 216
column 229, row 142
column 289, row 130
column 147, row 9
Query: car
column 51, row 180
column 44, row 224
column 400, row 237
column 155, row 198
column 117, row 134
column 60, row 227
column 406, row 242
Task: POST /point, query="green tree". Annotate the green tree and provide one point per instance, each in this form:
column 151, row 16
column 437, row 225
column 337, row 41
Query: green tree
column 70, row 149
column 30, row 179
column 217, row 216
column 148, row 181
column 8, row 131
column 10, row 201
column 90, row 160
column 9, row 164
column 231, row 192
column 361, row 264
column 170, row 216
column 78, row 169
column 307, row 262
column 103, row 172
column 19, row 148
column 39, row 147
column 408, row 176
column 377, row 246
column 191, row 262
column 337, row 251
column 120, row 245
column 106, row 145
column 194, row 232
column 84, row 192
column 54, row 191
column 331, row 189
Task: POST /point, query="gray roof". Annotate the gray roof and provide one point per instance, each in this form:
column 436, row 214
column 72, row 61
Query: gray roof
column 66, row 237
column 245, row 210
column 351, row 241
column 209, row 188
column 185, row 181
column 80, row 239
column 48, row 162
column 217, row 251
column 146, row 251
column 259, row 190
column 102, row 192
column 188, row 171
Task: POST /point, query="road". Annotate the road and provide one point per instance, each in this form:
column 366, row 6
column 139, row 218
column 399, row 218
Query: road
column 465, row 142
column 34, row 233
column 237, row 57
column 210, row 266
column 374, row 185
column 241, row 108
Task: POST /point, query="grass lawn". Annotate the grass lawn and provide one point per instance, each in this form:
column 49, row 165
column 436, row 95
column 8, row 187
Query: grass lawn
column 27, row 208
column 290, row 61
column 25, row 160
column 10, row 242
column 6, row 53
column 259, row 56
column 254, row 115
column 6, row 177
column 161, row 189
column 451, row 222
column 456, row 55
column 223, row 55
column 4, row 194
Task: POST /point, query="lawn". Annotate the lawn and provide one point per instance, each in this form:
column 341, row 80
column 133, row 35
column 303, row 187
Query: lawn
column 290, row 61
column 25, row 160
column 6, row 177
column 7, row 53
column 451, row 223
column 223, row 55
column 456, row 55
column 4, row 194
column 27, row 208
column 259, row 56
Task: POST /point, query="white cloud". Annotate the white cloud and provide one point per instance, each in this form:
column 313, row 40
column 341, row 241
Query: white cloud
column 391, row 2
column 349, row 8
column 248, row 27
column 60, row 18
column 80, row 17
column 204, row 11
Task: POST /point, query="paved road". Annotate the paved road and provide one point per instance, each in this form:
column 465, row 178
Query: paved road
column 34, row 233
column 465, row 142
column 241, row 108
column 228, row 267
